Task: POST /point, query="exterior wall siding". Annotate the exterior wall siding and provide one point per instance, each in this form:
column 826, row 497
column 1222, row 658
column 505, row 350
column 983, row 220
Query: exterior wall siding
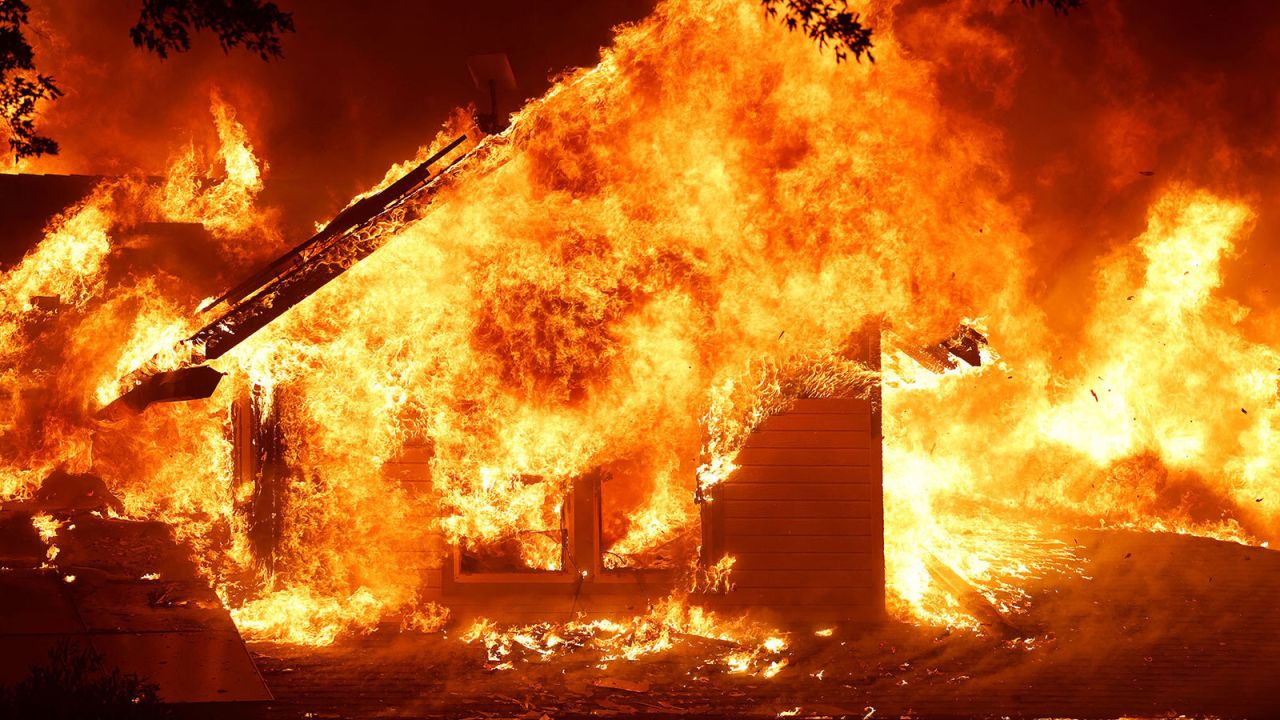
column 803, row 515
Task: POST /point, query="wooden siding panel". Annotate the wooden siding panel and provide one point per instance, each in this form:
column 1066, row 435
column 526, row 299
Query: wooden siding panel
column 816, row 421
column 747, row 562
column 849, row 406
column 810, row 439
column 736, row 491
column 783, row 474
column 789, row 508
column 415, row 454
column 793, row 597
column 407, row 472
column 744, row 580
column 784, row 526
column 858, row 604
column 734, row 544
column 803, row 513
column 792, row 457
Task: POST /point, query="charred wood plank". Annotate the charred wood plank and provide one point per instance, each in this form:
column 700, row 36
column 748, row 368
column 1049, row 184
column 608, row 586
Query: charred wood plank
column 810, row 439
column 324, row 257
column 351, row 216
column 353, row 235
column 191, row 383
column 800, row 458
column 817, row 421
column 738, row 490
column 834, row 474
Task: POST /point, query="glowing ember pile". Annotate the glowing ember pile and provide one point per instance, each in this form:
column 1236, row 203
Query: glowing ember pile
column 737, row 646
column 660, row 252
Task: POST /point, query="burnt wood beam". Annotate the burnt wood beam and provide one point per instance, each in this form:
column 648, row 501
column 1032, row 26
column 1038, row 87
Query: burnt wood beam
column 354, row 214
column 361, row 229
column 351, row 236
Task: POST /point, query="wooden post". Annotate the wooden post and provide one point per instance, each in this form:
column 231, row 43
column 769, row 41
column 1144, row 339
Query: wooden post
column 584, row 526
column 258, row 444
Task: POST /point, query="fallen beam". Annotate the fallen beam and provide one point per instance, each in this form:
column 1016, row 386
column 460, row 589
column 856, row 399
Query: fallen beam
column 192, row 383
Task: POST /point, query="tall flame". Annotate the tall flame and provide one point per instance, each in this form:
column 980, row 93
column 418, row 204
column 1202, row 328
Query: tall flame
column 660, row 252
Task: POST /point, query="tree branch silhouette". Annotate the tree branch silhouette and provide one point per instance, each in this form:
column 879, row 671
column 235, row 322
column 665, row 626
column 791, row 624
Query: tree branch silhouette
column 1060, row 7
column 21, row 87
column 827, row 22
column 165, row 26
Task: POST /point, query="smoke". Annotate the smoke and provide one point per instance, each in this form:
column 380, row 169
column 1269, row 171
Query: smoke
column 359, row 87
column 1101, row 110
column 1083, row 103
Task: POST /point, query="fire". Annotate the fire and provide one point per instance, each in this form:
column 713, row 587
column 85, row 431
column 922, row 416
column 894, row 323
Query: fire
column 660, row 253
column 46, row 526
column 738, row 405
column 223, row 202
column 297, row 616
column 717, row 577
column 1162, row 422
column 655, row 524
column 68, row 264
column 1157, row 401
column 741, row 646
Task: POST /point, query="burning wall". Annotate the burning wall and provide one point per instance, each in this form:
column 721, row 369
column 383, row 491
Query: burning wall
column 660, row 251
column 611, row 266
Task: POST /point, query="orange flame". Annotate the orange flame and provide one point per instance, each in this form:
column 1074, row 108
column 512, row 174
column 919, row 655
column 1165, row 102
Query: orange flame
column 662, row 251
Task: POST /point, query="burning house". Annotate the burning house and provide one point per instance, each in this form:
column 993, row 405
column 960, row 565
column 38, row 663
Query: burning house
column 635, row 401
column 803, row 512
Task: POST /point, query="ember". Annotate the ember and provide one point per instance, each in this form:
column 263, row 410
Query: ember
column 771, row 355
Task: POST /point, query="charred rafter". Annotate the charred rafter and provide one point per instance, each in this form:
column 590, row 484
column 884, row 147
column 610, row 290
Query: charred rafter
column 351, row 236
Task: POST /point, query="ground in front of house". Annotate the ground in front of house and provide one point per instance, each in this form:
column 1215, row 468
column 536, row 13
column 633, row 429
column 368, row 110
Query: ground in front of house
column 1154, row 625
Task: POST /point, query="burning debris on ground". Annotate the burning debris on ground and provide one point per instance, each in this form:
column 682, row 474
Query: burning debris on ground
column 715, row 377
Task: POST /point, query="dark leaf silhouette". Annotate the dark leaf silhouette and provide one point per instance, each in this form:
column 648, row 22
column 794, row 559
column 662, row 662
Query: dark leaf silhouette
column 75, row 684
column 165, row 26
column 21, row 88
column 1059, row 6
column 827, row 23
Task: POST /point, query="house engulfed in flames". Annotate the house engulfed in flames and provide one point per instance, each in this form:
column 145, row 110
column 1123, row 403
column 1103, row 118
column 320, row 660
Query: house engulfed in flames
column 627, row 336
column 790, row 520
column 795, row 512
column 791, row 525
